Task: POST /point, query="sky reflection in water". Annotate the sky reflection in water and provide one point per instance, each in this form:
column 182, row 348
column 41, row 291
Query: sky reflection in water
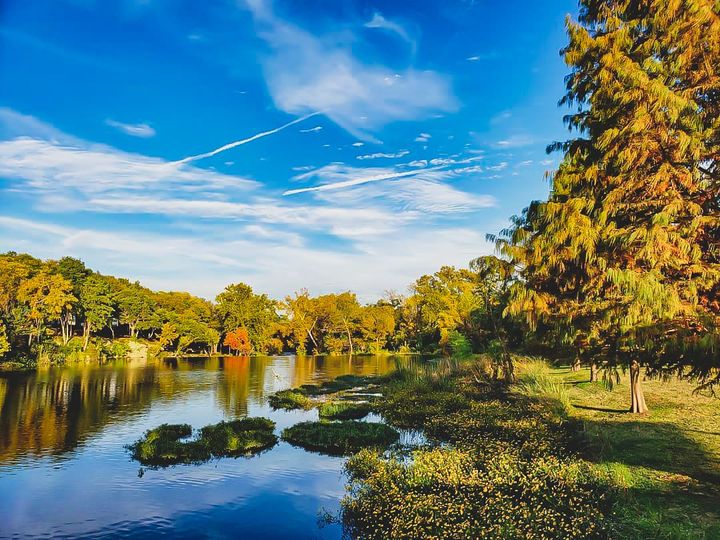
column 64, row 470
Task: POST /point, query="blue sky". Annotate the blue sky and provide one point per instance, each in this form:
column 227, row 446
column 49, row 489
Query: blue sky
column 330, row 145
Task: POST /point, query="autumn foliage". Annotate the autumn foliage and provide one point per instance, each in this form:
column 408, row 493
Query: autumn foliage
column 238, row 341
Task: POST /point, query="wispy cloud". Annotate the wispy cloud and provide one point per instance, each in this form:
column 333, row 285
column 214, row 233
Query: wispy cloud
column 515, row 141
column 311, row 130
column 338, row 176
column 380, row 22
column 134, row 130
column 385, row 155
column 307, row 72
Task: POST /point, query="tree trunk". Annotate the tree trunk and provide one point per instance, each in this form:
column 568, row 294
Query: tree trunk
column 509, row 369
column 637, row 398
column 593, row 372
column 86, row 335
column 347, row 331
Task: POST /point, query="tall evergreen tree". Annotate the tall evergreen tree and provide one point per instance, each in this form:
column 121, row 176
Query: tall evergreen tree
column 625, row 250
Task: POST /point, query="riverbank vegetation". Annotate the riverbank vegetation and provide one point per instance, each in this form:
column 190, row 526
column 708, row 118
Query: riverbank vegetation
column 536, row 458
column 168, row 445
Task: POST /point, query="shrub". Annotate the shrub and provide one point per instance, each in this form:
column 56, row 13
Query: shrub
column 343, row 410
column 339, row 438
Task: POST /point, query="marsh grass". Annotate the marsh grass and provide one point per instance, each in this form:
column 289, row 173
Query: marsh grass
column 340, row 438
column 165, row 445
column 343, row 410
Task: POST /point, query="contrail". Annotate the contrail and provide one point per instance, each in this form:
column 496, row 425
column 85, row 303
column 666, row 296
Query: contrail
column 245, row 141
column 358, row 181
column 377, row 178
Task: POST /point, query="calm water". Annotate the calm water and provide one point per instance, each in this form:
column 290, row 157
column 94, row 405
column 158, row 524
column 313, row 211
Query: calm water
column 64, row 471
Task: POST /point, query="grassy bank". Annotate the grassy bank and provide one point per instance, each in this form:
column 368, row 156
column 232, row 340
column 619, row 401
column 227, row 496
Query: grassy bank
column 547, row 457
column 666, row 465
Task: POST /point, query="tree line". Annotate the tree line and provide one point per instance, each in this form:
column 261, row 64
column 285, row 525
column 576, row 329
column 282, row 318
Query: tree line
column 63, row 305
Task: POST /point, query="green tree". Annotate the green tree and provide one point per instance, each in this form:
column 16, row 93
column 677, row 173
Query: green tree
column 377, row 324
column 48, row 297
column 97, row 304
column 238, row 306
column 136, row 306
column 4, row 343
column 625, row 248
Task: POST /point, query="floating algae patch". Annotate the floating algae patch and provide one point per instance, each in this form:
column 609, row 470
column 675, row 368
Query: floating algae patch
column 164, row 445
column 339, row 438
column 344, row 410
column 290, row 399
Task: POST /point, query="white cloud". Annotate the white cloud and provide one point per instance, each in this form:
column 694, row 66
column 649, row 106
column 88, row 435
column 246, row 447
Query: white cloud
column 422, row 190
column 515, row 141
column 379, row 155
column 48, row 167
column 306, row 73
column 380, row 22
column 223, row 258
column 358, row 144
column 311, row 130
column 134, row 130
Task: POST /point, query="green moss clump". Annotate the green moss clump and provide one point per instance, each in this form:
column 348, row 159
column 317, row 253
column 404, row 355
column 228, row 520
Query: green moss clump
column 340, row 438
column 239, row 437
column 343, row 410
column 290, row 399
column 163, row 446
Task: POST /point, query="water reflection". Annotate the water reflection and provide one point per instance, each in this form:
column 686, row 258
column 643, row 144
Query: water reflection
column 52, row 411
column 65, row 472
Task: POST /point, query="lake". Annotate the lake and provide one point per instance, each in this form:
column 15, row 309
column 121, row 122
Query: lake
column 65, row 472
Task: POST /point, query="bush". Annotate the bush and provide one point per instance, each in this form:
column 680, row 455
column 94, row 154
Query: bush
column 339, row 438
column 343, row 410
column 446, row 493
column 164, row 446
column 459, row 345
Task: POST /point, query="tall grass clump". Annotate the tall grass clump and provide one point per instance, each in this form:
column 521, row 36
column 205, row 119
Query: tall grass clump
column 537, row 380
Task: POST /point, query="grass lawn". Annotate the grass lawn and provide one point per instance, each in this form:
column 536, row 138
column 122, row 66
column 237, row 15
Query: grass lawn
column 666, row 463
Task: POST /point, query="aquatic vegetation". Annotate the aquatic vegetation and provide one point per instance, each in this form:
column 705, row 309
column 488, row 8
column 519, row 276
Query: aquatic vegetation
column 338, row 438
column 508, row 471
column 343, row 382
column 448, row 493
column 343, row 410
column 290, row 399
column 301, row 398
column 239, row 437
column 165, row 446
